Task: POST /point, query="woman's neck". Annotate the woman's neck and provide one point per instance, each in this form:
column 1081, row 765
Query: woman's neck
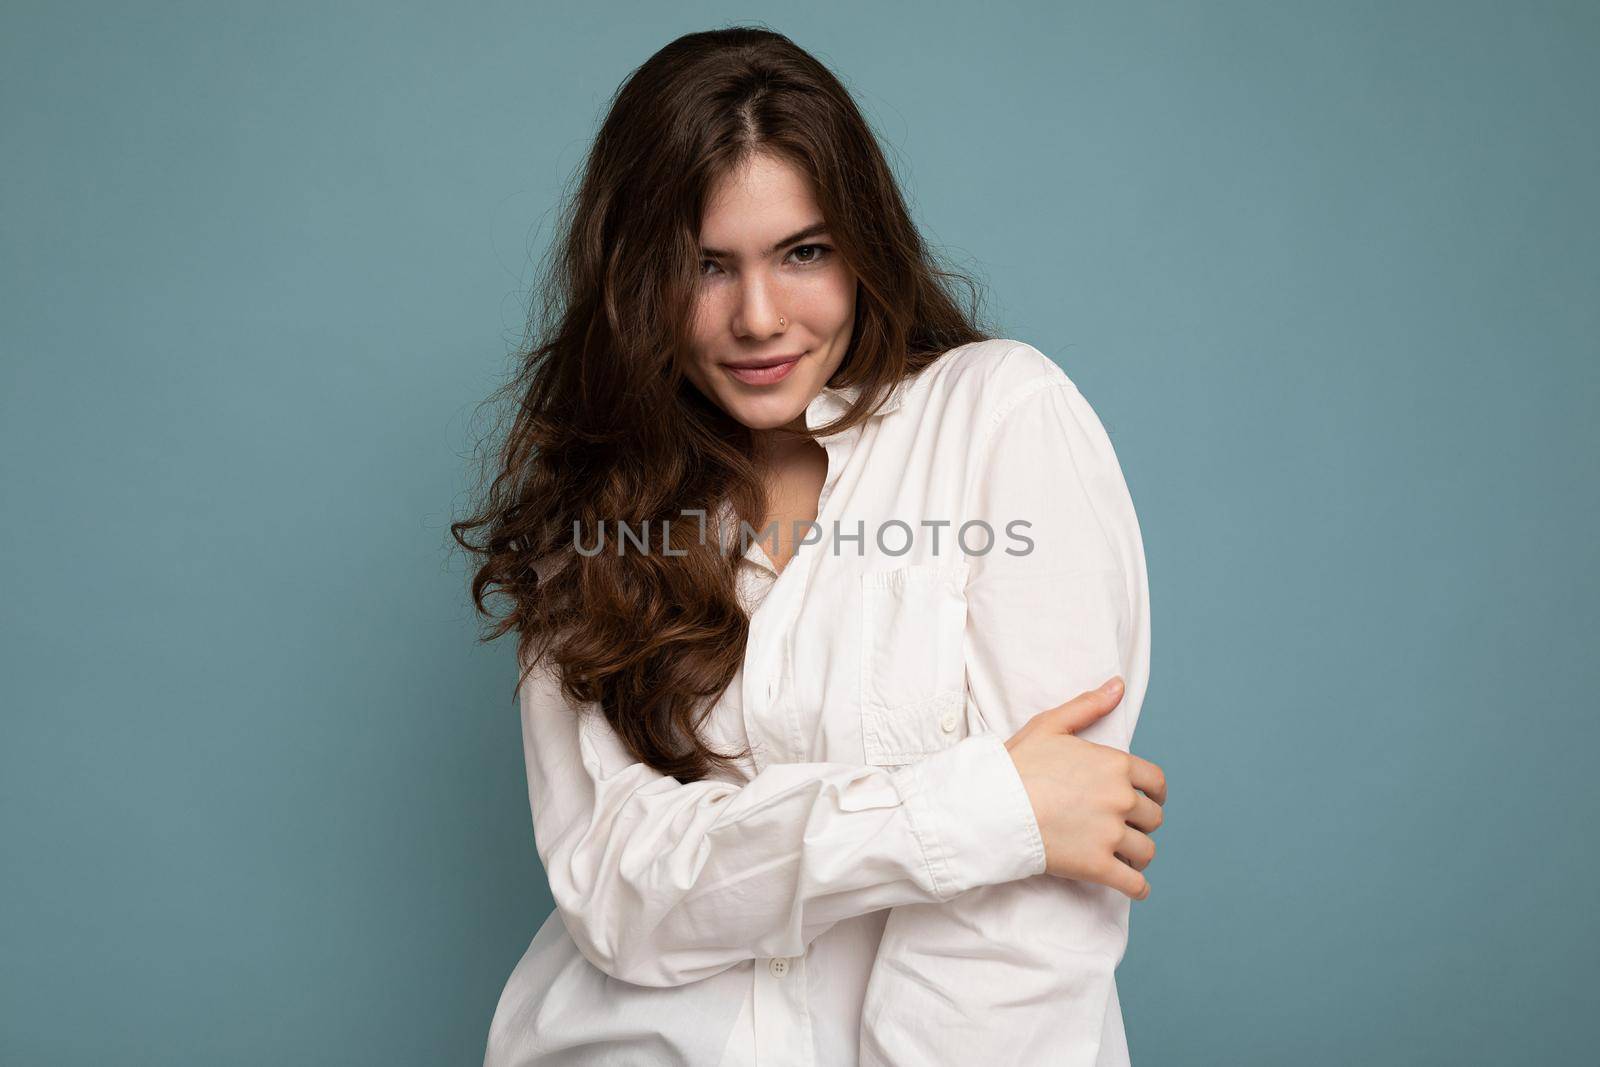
column 774, row 447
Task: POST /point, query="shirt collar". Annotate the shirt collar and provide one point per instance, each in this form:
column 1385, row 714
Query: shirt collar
column 826, row 406
column 834, row 401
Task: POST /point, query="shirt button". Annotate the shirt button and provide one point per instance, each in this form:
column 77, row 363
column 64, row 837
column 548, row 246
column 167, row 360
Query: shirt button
column 948, row 723
column 779, row 966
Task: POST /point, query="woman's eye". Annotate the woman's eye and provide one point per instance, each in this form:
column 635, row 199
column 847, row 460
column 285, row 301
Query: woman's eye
column 818, row 252
column 805, row 254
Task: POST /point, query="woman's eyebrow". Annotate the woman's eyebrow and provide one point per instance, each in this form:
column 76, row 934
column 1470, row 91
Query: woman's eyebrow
column 799, row 235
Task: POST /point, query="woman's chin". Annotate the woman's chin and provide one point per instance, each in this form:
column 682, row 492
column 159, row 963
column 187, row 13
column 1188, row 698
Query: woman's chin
column 767, row 412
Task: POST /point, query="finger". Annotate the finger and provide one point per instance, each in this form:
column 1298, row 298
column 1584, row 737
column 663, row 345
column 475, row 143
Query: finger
column 1085, row 708
column 1136, row 849
column 1124, row 879
column 1146, row 815
column 1149, row 779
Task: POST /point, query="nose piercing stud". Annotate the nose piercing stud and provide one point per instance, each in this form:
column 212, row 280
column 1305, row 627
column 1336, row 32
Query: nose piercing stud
column 781, row 321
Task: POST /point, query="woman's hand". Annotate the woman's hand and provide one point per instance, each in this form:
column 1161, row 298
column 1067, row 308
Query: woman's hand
column 1096, row 805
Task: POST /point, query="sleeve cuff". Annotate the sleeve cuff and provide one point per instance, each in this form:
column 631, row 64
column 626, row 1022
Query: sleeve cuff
column 971, row 813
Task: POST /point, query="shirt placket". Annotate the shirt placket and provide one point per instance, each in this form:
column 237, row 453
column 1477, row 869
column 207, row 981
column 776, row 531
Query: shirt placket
column 775, row 731
column 782, row 1013
column 781, row 1002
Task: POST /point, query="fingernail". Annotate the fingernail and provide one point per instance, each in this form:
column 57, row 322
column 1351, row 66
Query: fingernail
column 1112, row 686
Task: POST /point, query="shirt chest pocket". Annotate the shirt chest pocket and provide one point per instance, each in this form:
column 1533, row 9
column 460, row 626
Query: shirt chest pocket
column 913, row 669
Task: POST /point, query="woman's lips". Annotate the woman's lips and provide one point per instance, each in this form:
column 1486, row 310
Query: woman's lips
column 763, row 375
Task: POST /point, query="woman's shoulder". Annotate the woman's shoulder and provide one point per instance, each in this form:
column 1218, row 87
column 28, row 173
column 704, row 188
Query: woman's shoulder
column 984, row 378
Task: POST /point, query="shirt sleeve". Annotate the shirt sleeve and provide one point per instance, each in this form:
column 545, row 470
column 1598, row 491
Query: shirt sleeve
column 662, row 883
column 1022, row 972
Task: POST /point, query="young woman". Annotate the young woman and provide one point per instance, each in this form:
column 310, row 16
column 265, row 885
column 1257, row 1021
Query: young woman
column 812, row 796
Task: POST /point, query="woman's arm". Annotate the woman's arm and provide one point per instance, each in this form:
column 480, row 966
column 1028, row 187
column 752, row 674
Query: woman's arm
column 662, row 883
column 1023, row 972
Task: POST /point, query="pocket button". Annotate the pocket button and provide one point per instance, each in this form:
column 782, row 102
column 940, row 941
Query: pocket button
column 948, row 723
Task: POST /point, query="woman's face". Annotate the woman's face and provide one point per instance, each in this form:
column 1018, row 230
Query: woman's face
column 772, row 290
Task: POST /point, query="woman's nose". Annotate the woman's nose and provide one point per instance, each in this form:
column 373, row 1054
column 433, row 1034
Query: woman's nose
column 758, row 314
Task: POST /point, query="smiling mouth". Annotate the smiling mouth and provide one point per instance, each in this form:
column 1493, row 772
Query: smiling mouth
column 764, row 372
column 758, row 364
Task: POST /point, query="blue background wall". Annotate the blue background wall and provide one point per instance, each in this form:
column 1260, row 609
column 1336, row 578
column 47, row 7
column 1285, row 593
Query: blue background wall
column 1328, row 272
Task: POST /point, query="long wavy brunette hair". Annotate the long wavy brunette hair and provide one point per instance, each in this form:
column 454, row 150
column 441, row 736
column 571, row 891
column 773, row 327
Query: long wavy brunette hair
column 606, row 429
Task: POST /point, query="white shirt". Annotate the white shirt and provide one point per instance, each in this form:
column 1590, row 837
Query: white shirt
column 869, row 888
